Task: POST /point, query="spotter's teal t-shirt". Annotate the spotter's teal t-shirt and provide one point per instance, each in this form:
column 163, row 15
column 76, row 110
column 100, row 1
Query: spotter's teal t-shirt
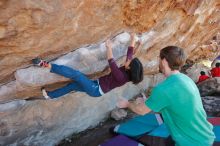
column 179, row 101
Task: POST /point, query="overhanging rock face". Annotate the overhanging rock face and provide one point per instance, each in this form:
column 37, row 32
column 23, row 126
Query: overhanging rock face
column 48, row 29
column 209, row 87
column 73, row 33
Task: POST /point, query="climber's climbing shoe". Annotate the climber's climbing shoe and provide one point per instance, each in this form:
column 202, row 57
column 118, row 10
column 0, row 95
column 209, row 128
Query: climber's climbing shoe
column 44, row 92
column 39, row 62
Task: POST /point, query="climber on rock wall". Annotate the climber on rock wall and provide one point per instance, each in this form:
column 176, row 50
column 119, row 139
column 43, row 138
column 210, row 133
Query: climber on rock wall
column 216, row 70
column 202, row 77
column 131, row 71
column 178, row 99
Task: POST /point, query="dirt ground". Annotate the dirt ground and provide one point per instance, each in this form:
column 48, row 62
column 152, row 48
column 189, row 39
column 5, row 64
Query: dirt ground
column 94, row 136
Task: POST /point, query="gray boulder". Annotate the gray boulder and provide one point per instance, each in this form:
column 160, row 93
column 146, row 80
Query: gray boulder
column 209, row 87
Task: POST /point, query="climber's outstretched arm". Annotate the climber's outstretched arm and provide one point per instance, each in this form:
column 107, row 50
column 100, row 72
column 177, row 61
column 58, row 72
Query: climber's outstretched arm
column 109, row 49
column 132, row 37
column 130, row 50
column 116, row 72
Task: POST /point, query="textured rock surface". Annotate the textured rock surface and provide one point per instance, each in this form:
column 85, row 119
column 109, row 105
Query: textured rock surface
column 210, row 86
column 52, row 28
column 209, row 89
column 212, row 105
column 31, row 28
column 194, row 71
column 118, row 114
column 45, row 123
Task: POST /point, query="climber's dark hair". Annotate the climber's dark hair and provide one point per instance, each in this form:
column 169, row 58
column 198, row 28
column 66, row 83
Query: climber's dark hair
column 217, row 64
column 136, row 71
column 202, row 73
column 174, row 55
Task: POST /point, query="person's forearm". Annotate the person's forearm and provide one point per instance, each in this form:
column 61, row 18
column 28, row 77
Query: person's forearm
column 108, row 45
column 109, row 53
column 132, row 43
column 140, row 108
column 130, row 53
column 133, row 107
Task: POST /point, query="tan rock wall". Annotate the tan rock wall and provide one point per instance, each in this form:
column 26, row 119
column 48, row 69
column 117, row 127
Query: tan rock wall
column 52, row 28
column 30, row 28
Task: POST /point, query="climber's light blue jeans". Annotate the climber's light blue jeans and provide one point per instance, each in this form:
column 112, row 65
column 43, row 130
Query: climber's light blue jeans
column 80, row 82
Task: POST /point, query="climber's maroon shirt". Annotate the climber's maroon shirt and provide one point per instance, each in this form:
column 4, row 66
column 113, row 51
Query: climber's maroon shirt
column 118, row 76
